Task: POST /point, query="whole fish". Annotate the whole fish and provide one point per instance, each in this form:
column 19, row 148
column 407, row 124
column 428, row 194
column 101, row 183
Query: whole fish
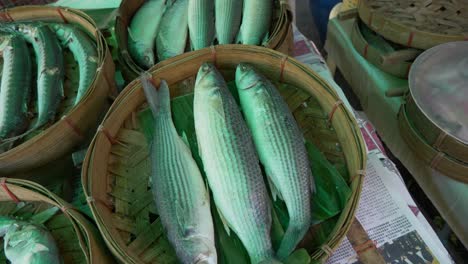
column 201, row 23
column 25, row 242
column 84, row 51
column 228, row 17
column 143, row 30
column 256, row 19
column 178, row 188
column 172, row 36
column 50, row 70
column 231, row 165
column 281, row 150
column 15, row 87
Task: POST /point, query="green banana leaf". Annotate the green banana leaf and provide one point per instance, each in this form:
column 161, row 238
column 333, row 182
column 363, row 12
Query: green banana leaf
column 329, row 199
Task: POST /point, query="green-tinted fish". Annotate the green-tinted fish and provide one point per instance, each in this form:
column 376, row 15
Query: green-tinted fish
column 25, row 242
column 231, row 164
column 178, row 188
column 143, row 30
column 281, row 150
column 201, row 23
column 228, row 17
column 256, row 19
column 84, row 51
column 15, row 87
column 50, row 70
column 172, row 36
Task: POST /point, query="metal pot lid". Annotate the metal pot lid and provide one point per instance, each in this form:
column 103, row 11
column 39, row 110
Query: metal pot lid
column 438, row 82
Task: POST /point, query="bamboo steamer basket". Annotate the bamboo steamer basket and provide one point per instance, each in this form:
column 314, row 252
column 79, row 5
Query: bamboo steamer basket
column 60, row 138
column 116, row 166
column 281, row 34
column 419, row 23
column 77, row 239
column 433, row 120
column 396, row 63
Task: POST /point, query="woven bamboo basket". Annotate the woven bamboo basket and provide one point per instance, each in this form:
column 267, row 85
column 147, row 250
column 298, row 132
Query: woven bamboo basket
column 77, row 239
column 417, row 23
column 396, row 62
column 436, row 159
column 76, row 122
column 116, row 168
column 281, row 34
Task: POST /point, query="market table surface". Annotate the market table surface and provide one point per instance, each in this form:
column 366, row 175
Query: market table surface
column 370, row 84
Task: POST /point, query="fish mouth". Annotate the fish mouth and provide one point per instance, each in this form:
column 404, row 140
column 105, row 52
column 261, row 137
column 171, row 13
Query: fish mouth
column 204, row 259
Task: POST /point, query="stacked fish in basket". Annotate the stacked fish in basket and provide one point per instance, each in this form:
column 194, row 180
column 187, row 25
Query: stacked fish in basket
column 253, row 159
column 39, row 227
column 423, row 41
column 56, row 76
column 148, row 32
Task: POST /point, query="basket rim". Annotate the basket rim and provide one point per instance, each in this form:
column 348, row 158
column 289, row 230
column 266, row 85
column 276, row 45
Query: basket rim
column 351, row 126
column 61, row 13
column 434, row 158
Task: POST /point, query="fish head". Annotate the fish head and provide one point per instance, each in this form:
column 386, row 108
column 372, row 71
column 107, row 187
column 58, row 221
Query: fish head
column 5, row 224
column 247, row 79
column 198, row 250
column 209, row 80
column 148, row 58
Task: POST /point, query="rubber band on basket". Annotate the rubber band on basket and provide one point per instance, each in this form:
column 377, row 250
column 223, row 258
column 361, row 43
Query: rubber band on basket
column 62, row 16
column 361, row 173
column 5, row 16
column 8, row 191
column 435, row 161
column 73, row 127
column 327, row 249
column 439, row 140
column 332, row 112
column 213, row 54
column 366, row 49
column 369, row 244
column 371, row 17
column 106, row 133
column 65, row 208
column 410, row 39
column 283, row 63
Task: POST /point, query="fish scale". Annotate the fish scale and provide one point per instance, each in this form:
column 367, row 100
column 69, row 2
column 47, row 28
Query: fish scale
column 84, row 51
column 228, row 17
column 201, row 23
column 15, row 87
column 281, row 149
column 231, row 164
column 178, row 188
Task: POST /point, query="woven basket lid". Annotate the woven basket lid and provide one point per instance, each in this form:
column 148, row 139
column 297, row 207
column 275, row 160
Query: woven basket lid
column 438, row 83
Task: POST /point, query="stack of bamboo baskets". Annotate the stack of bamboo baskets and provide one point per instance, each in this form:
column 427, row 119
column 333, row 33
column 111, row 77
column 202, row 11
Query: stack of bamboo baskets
column 392, row 35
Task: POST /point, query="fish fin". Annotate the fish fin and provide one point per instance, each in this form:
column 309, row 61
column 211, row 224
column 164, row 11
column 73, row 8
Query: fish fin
column 185, row 140
column 265, row 39
column 239, row 37
column 274, row 191
column 312, row 184
column 44, row 216
column 223, row 220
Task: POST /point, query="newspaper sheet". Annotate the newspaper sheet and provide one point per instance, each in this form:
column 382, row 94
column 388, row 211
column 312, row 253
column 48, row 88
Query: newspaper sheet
column 386, row 210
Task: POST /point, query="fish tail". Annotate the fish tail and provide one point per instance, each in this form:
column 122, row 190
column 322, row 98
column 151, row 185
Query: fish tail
column 158, row 99
column 292, row 237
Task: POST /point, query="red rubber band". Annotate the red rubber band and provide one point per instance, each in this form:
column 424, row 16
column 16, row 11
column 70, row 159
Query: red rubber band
column 107, row 134
column 366, row 48
column 5, row 16
column 369, row 22
column 410, row 39
column 283, row 63
column 10, row 193
column 332, row 112
column 369, row 244
column 73, row 127
column 59, row 11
